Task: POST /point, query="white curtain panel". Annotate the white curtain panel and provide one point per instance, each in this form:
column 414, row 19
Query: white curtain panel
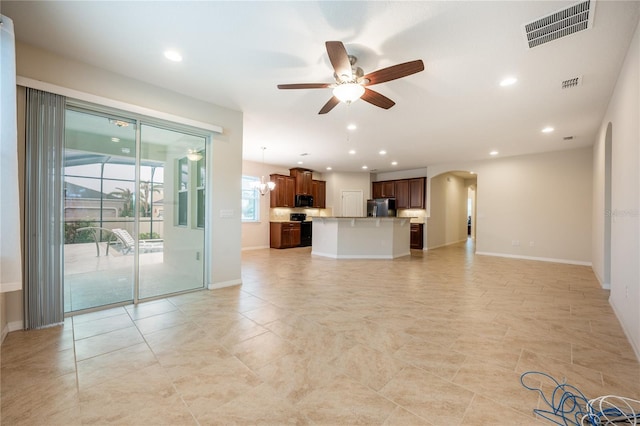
column 10, row 253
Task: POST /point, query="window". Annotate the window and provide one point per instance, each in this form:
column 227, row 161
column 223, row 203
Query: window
column 250, row 199
column 183, row 188
column 200, row 189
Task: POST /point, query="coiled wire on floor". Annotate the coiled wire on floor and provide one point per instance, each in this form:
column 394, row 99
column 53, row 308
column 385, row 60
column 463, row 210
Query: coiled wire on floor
column 568, row 406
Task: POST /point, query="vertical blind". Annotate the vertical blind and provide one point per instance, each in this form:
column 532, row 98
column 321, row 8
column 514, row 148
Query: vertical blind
column 43, row 290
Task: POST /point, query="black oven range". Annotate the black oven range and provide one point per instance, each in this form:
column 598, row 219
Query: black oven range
column 305, row 228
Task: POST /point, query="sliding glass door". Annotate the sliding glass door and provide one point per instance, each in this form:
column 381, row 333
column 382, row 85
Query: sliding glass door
column 172, row 211
column 134, row 210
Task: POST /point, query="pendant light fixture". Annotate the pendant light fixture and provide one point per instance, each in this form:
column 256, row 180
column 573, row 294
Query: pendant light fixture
column 264, row 187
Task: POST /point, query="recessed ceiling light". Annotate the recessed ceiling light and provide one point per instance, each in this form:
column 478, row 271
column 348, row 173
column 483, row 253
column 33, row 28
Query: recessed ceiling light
column 494, row 153
column 508, row 81
column 382, row 152
column 394, row 163
column 173, row 55
column 300, row 162
column 364, row 167
column 115, row 139
column 352, row 151
column 352, row 126
column 548, row 129
column 125, row 150
column 328, row 167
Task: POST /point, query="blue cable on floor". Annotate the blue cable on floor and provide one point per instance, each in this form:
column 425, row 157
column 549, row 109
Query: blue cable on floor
column 568, row 406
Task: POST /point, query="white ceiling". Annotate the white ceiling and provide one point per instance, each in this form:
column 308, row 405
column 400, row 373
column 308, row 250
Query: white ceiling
column 235, row 53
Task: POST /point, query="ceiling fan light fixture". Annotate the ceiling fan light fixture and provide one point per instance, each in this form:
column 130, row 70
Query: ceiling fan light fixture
column 194, row 155
column 348, row 92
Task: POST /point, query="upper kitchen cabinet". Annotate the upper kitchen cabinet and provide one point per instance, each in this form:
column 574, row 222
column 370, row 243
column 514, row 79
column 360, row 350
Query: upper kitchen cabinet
column 409, row 193
column 284, row 194
column 303, row 180
column 319, row 193
column 402, row 194
column 384, row 189
column 417, row 193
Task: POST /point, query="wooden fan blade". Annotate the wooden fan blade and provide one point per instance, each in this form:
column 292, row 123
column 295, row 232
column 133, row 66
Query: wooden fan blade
column 394, row 72
column 329, row 105
column 377, row 99
column 339, row 59
column 304, row 86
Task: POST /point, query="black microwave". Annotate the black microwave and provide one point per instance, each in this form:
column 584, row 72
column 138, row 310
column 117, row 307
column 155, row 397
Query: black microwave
column 304, row 201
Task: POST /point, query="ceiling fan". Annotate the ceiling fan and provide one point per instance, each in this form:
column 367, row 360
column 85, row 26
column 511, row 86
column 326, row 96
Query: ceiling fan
column 351, row 82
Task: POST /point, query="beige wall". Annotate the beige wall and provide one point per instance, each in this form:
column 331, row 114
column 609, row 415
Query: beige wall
column 226, row 166
column 256, row 234
column 338, row 182
column 447, row 223
column 623, row 114
column 542, row 201
column 541, row 198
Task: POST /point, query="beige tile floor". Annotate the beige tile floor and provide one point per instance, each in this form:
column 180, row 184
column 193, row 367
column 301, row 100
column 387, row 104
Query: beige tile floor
column 437, row 338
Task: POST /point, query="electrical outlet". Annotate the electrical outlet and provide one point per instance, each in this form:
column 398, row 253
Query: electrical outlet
column 626, row 291
column 515, row 243
column 197, row 255
column 532, row 243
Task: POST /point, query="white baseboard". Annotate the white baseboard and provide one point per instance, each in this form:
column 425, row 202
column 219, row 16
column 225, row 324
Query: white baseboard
column 254, row 248
column 16, row 325
column 11, row 326
column 636, row 349
column 224, row 284
column 539, row 259
column 444, row 245
column 5, row 331
column 605, row 286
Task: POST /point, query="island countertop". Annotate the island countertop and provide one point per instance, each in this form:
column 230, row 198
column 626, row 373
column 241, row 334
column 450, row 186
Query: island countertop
column 381, row 237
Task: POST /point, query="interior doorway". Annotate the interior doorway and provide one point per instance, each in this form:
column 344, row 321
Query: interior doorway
column 352, row 203
column 452, row 209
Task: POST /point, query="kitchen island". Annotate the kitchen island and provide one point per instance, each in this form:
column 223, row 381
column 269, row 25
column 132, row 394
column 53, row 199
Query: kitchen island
column 361, row 237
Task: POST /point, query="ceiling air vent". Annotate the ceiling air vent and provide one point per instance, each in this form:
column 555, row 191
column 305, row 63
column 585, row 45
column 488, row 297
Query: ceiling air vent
column 572, row 82
column 560, row 24
column 567, row 138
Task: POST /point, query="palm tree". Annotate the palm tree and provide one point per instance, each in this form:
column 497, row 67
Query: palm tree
column 127, row 196
column 145, row 193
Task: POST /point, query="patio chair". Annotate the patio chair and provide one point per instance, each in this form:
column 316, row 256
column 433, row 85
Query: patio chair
column 128, row 243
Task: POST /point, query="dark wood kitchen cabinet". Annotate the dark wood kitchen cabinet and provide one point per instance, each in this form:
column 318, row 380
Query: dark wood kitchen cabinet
column 284, row 194
column 319, row 193
column 417, row 236
column 384, row 189
column 417, row 192
column 402, row 194
column 409, row 193
column 303, row 179
column 284, row 234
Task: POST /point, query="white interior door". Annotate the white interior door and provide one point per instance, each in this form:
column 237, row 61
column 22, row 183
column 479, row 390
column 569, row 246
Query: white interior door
column 352, row 203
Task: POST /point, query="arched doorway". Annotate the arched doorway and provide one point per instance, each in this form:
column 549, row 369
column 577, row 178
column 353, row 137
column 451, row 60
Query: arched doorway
column 452, row 207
